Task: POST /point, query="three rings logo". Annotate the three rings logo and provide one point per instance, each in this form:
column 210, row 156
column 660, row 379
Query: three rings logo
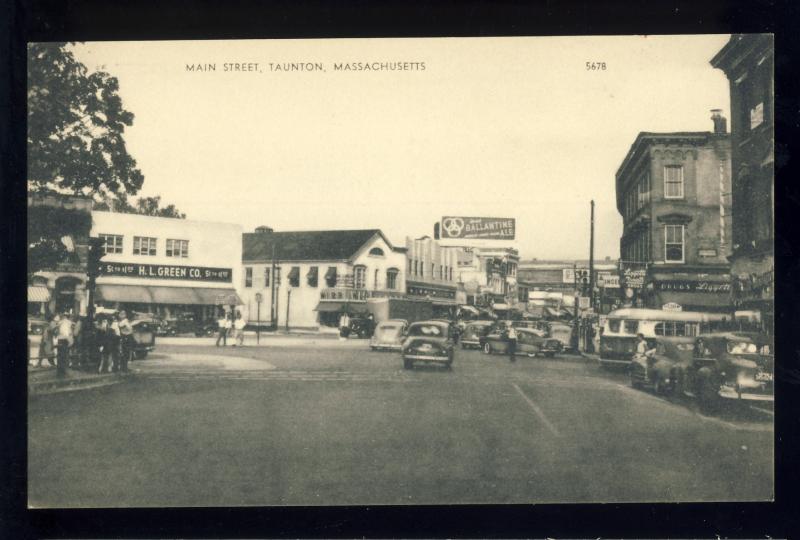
column 453, row 226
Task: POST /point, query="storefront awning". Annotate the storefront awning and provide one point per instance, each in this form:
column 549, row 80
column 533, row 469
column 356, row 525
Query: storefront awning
column 37, row 293
column 140, row 294
column 337, row 307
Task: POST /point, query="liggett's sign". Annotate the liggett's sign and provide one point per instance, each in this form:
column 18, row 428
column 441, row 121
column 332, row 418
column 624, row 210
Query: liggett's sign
column 167, row 271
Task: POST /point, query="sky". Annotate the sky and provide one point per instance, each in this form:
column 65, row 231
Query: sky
column 497, row 127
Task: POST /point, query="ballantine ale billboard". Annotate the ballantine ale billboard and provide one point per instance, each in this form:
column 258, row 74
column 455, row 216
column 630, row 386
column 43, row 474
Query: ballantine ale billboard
column 477, row 228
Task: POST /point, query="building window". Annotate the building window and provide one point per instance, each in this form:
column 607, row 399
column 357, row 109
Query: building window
column 266, row 277
column 433, row 271
column 248, row 276
column 644, row 191
column 113, row 243
column 294, row 276
column 277, row 276
column 144, row 245
column 360, row 277
column 177, row 248
column 330, row 276
column 673, row 243
column 421, row 269
column 391, row 278
column 376, row 252
column 313, row 276
column 673, row 182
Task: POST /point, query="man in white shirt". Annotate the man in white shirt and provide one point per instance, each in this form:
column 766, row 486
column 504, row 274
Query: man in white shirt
column 239, row 325
column 223, row 328
column 126, row 340
column 64, row 342
column 511, row 334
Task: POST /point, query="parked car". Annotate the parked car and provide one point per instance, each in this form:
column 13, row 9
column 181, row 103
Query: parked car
column 473, row 332
column 361, row 327
column 530, row 341
column 562, row 332
column 660, row 369
column 187, row 323
column 428, row 341
column 729, row 365
column 389, row 335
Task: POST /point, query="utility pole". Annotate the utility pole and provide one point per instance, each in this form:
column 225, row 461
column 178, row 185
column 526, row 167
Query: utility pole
column 273, row 311
column 591, row 260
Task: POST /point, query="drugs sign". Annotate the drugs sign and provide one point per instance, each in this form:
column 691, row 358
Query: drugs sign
column 479, row 228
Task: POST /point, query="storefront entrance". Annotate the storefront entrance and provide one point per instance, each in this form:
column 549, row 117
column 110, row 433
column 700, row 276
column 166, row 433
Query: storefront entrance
column 66, row 299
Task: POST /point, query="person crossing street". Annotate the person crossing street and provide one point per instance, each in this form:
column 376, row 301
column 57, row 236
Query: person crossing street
column 511, row 334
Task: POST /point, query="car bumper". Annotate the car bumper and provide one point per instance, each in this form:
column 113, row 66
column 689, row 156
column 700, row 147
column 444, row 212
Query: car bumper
column 730, row 393
column 388, row 346
column 470, row 342
column 427, row 357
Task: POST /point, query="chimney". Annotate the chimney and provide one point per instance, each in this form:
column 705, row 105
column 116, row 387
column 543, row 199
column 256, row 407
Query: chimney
column 720, row 123
column 264, row 229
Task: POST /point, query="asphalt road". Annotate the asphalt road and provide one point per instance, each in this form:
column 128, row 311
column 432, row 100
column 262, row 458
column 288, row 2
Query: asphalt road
column 334, row 423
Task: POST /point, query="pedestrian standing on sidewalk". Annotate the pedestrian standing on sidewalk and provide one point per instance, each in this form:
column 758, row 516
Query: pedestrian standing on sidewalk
column 65, row 341
column 344, row 325
column 77, row 341
column 512, row 342
column 223, row 328
column 126, row 341
column 46, row 348
column 105, row 341
column 113, row 343
column 239, row 326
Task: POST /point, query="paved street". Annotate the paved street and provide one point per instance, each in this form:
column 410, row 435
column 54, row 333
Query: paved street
column 334, row 423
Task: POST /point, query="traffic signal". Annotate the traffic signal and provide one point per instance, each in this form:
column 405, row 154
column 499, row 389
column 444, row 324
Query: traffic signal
column 436, row 231
column 96, row 252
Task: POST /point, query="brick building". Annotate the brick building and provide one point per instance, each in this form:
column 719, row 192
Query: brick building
column 748, row 62
column 673, row 194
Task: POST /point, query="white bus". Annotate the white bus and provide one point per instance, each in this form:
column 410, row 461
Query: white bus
column 618, row 340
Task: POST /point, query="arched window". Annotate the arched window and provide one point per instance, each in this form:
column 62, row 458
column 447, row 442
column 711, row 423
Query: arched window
column 376, row 252
column 391, row 278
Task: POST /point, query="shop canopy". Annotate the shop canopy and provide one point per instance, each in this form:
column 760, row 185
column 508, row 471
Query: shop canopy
column 37, row 293
column 338, row 307
column 141, row 294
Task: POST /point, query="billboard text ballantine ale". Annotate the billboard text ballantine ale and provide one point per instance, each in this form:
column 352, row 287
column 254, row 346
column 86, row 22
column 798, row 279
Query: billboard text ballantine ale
column 486, row 228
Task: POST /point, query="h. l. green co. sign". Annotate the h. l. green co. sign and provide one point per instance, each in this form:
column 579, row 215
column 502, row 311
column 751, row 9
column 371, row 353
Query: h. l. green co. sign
column 167, row 271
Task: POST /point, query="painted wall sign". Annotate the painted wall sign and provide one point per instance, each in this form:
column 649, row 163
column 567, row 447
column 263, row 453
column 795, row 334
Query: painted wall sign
column 167, row 271
column 692, row 286
column 484, row 228
column 633, row 278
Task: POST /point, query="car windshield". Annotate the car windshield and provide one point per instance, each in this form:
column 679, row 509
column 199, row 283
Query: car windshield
column 742, row 347
column 428, row 330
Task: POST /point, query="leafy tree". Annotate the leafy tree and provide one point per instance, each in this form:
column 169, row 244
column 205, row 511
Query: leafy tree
column 76, row 123
column 146, row 206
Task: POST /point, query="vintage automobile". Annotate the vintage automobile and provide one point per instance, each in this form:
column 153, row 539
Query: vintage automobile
column 428, row 341
column 660, row 369
column 473, row 332
column 187, row 323
column 562, row 332
column 389, row 335
column 729, row 365
column 530, row 341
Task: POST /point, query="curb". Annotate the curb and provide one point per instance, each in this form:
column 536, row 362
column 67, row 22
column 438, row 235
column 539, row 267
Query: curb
column 73, row 385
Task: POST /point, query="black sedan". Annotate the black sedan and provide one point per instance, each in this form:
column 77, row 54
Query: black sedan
column 428, row 341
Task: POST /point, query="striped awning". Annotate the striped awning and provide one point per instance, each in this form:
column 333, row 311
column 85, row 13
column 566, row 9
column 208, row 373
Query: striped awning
column 38, row 293
column 140, row 294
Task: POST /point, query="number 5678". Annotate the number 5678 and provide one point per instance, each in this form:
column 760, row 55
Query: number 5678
column 595, row 66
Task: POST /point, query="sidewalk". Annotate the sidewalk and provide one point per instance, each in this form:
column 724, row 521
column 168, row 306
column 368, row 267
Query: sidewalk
column 270, row 339
column 44, row 380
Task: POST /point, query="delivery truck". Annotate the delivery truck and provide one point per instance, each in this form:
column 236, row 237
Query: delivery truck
column 384, row 309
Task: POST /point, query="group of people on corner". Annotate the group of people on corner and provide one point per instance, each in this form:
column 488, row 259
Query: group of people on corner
column 230, row 326
column 63, row 343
